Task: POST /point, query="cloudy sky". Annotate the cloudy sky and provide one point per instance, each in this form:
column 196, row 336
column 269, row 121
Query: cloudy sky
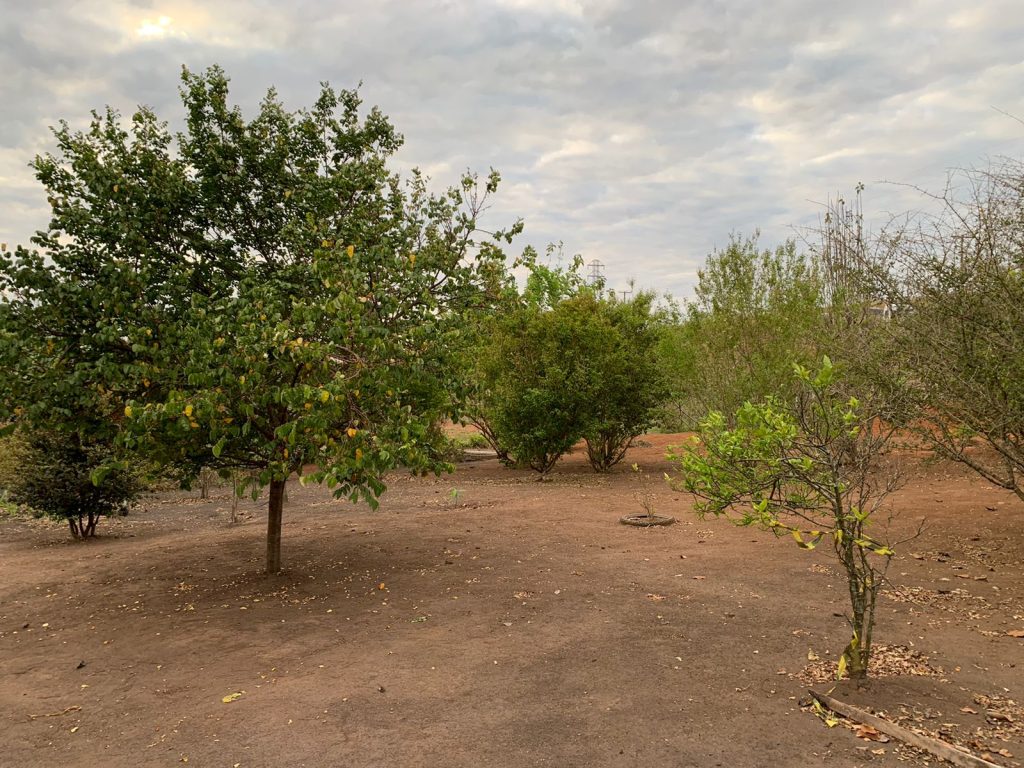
column 640, row 133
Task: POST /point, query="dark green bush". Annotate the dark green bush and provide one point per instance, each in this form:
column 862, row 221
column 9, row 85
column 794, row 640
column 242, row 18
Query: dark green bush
column 55, row 476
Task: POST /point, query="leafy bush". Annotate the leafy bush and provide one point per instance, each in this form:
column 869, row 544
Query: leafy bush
column 55, row 475
column 539, row 381
column 626, row 381
column 584, row 368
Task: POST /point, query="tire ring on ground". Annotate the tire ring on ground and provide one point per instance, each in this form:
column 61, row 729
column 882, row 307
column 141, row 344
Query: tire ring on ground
column 645, row 521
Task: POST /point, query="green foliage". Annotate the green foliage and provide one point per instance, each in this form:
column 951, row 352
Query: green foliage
column 12, row 448
column 260, row 295
column 626, row 383
column 547, row 285
column 55, row 476
column 584, row 368
column 755, row 312
column 537, row 372
column 811, row 467
column 482, row 357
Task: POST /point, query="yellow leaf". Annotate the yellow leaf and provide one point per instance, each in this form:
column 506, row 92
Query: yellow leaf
column 359, row 454
column 412, row 259
column 188, row 410
column 351, row 251
column 327, row 243
column 308, row 406
column 381, row 586
column 324, row 396
column 286, row 453
column 232, row 697
column 128, row 411
column 351, row 431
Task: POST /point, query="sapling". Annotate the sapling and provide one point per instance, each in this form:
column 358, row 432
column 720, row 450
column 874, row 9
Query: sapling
column 813, row 467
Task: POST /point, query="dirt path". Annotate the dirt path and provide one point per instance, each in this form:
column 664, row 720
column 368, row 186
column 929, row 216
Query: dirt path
column 515, row 623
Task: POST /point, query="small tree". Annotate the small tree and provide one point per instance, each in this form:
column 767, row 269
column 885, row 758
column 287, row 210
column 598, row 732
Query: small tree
column 55, row 476
column 483, row 355
column 813, row 468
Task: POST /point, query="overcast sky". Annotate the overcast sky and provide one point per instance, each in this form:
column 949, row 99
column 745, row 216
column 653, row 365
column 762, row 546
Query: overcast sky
column 639, row 132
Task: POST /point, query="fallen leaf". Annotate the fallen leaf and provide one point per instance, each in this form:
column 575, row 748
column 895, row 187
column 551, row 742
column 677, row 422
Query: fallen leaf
column 232, row 697
column 869, row 733
column 1016, row 632
column 812, row 656
column 968, row 711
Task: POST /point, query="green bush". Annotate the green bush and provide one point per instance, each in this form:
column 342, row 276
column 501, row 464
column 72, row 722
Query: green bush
column 54, row 475
column 539, row 383
column 626, row 383
column 584, row 368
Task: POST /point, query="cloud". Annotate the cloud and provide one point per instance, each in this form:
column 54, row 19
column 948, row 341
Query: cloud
column 638, row 133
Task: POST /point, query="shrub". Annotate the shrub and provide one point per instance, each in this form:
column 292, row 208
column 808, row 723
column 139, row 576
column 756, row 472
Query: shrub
column 626, row 382
column 55, row 475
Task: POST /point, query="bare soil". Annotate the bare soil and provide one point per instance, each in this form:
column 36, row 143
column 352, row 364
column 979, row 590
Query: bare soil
column 514, row 623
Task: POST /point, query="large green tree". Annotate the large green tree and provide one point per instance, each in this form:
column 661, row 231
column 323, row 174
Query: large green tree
column 254, row 293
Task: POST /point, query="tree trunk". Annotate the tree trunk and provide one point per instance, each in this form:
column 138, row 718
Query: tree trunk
column 274, row 516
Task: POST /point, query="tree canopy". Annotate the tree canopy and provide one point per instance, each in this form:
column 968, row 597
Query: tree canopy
column 248, row 293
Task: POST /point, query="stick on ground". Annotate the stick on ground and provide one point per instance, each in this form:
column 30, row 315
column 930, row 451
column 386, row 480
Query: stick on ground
column 942, row 749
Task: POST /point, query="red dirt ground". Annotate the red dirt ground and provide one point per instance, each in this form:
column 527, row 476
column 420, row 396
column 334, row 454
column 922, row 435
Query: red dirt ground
column 515, row 623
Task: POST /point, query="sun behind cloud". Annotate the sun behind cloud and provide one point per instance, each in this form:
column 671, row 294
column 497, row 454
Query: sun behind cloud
column 154, row 29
